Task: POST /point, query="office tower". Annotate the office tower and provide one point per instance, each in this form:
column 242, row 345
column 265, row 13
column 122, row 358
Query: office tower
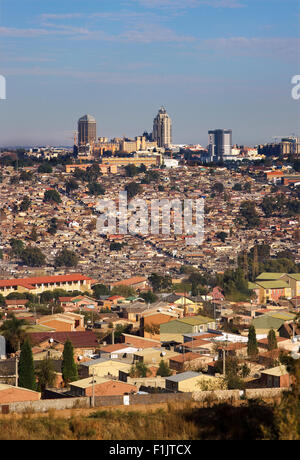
column 162, row 129
column 220, row 144
column 86, row 130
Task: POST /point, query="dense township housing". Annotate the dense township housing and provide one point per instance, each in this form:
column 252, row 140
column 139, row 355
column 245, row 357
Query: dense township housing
column 37, row 285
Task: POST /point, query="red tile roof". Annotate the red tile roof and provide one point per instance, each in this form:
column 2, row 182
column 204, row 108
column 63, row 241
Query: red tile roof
column 183, row 357
column 115, row 347
column 29, row 282
column 79, row 339
column 16, row 302
column 130, row 281
column 196, row 343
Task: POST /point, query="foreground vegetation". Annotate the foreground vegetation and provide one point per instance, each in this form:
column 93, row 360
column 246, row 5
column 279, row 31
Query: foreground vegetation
column 253, row 420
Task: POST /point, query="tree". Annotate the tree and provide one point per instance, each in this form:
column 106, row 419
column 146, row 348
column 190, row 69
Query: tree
column 45, row 168
column 33, row 235
column 92, row 173
column 96, row 189
column 255, row 265
column 71, row 185
column 52, row 196
column 149, row 297
column 249, row 214
column 272, row 342
column 12, row 330
column 124, row 291
column 133, row 189
column 66, row 258
column 131, row 170
column 25, row 204
column 69, row 368
column 222, row 236
column 163, row 370
column 218, row 187
column 237, row 187
column 115, row 246
column 53, row 226
column 25, row 176
column 252, row 347
column 100, row 290
column 45, row 374
column 247, row 187
column 26, row 367
column 140, row 370
column 17, row 246
column 160, row 282
column 33, row 257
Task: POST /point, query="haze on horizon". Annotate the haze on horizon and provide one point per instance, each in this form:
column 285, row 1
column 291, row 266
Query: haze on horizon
column 211, row 63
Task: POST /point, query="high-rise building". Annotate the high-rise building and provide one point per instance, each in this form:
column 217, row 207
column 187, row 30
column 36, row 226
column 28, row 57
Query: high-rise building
column 162, row 129
column 86, row 130
column 220, row 144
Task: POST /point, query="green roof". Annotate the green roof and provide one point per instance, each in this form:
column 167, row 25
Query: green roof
column 269, row 276
column 195, row 320
column 278, row 284
column 252, row 286
column 294, row 276
column 267, row 322
column 282, row 315
column 28, row 328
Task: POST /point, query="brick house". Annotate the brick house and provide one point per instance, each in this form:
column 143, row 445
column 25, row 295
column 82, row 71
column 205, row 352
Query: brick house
column 11, row 394
column 62, row 322
column 277, row 377
column 101, row 387
column 185, row 361
column 136, row 282
column 84, row 343
column 154, row 320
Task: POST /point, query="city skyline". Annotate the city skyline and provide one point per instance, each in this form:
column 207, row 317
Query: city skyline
column 212, row 63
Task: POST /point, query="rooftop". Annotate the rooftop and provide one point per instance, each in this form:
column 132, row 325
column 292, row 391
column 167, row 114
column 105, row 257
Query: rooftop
column 183, row 376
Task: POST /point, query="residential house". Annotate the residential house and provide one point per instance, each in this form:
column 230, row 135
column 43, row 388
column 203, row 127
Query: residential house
column 271, row 290
column 103, row 367
column 12, row 394
column 80, row 303
column 154, row 355
column 84, row 343
column 99, row 386
column 139, row 342
column 61, row 322
column 186, row 361
column 188, row 381
column 13, row 304
column 276, row 377
column 272, row 320
column 118, row 351
column 289, row 330
column 150, row 323
column 293, row 280
column 137, row 283
column 173, row 331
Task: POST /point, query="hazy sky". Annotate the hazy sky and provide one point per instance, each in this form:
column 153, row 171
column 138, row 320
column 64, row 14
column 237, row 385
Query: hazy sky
column 211, row 63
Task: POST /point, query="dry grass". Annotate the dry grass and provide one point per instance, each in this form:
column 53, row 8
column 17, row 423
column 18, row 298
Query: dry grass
column 176, row 421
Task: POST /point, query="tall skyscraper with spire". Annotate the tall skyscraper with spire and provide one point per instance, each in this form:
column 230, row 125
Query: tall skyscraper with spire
column 162, row 129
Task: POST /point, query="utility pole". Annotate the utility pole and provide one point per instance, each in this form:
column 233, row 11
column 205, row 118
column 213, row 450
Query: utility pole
column 17, row 374
column 93, row 389
column 224, row 363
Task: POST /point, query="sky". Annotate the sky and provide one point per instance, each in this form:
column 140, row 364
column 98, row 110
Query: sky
column 212, row 64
